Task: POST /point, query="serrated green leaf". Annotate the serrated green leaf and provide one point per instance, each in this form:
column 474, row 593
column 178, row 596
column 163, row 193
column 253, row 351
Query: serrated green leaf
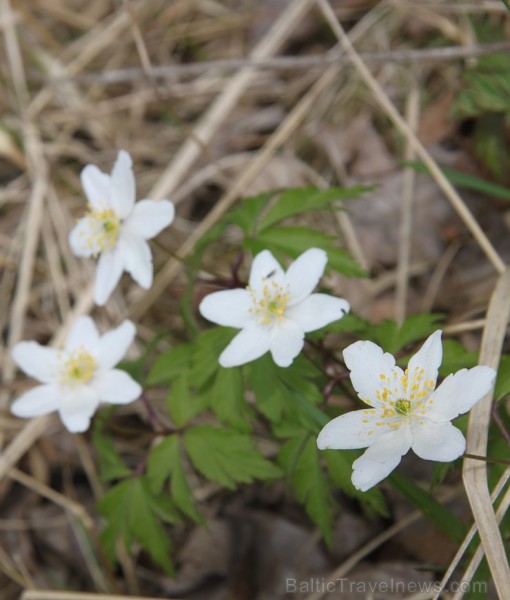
column 165, row 463
column 169, row 365
column 226, row 457
column 392, row 337
column 456, row 357
column 300, row 459
column 206, row 351
column 227, row 399
column 183, row 402
column 114, row 505
column 111, row 466
column 247, row 214
column 287, row 396
column 293, row 241
column 300, row 200
column 130, row 515
column 438, row 514
column 264, row 384
column 145, row 527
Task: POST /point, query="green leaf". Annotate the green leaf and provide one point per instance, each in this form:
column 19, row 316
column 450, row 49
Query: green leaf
column 264, row 384
column 438, row 514
column 169, row 365
column 145, row 527
column 502, row 388
column 456, row 357
column 206, row 351
column 470, row 182
column 340, row 468
column 392, row 337
column 165, row 463
column 247, row 214
column 287, row 396
column 183, row 402
column 111, row 466
column 300, row 459
column 300, row 200
column 227, row 399
column 131, row 516
column 226, row 457
column 293, row 241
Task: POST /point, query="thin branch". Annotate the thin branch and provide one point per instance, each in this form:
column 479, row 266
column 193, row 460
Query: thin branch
column 281, row 63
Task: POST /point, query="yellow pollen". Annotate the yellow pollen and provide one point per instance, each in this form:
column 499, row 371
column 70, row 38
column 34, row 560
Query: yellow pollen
column 388, row 412
column 104, row 225
column 271, row 305
column 78, row 368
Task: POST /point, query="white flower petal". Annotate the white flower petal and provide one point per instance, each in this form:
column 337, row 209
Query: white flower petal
column 287, row 340
column 149, row 217
column 459, row 392
column 426, row 361
column 123, row 189
column 248, row 344
column 229, row 308
column 35, row 360
column 83, row 333
column 83, row 239
column 437, row 441
column 109, row 269
column 117, row 387
column 265, row 266
column 371, row 371
column 97, row 187
column 356, row 429
column 304, row 273
column 40, row 400
column 381, row 458
column 113, row 345
column 77, row 408
column 318, row 310
column 137, row 259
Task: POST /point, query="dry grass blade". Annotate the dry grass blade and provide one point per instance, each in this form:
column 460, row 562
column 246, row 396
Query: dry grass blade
column 475, row 472
column 223, row 105
column 498, row 488
column 372, row 545
column 389, row 108
column 406, row 223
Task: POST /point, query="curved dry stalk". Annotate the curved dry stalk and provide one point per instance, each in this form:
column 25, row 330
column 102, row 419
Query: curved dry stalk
column 498, row 488
column 475, row 472
column 389, row 108
column 373, row 544
column 222, row 107
column 469, row 573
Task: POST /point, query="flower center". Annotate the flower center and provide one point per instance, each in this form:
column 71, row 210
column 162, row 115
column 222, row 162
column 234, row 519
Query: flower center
column 78, row 368
column 103, row 229
column 403, row 407
column 271, row 305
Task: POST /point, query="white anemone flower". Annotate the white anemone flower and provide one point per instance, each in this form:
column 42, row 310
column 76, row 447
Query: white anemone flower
column 115, row 229
column 76, row 379
column 276, row 309
column 408, row 412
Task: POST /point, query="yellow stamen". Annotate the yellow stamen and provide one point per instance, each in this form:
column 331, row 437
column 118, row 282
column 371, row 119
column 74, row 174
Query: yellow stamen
column 78, row 368
column 103, row 230
column 271, row 306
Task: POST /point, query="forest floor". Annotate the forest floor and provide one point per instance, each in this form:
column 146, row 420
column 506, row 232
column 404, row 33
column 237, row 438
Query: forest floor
column 174, row 84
